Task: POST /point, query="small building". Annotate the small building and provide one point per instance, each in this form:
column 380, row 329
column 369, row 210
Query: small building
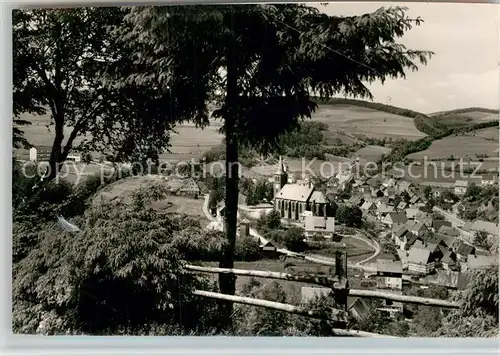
column 460, row 187
column 268, row 250
column 190, row 188
column 420, row 261
column 319, row 226
column 392, row 308
column 389, row 274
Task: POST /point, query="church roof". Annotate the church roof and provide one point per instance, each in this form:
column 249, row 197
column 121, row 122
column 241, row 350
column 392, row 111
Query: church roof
column 295, row 192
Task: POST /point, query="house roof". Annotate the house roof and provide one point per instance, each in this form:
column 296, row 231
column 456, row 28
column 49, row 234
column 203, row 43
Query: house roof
column 476, row 262
column 485, row 226
column 367, row 205
column 385, row 209
column 419, row 256
column 452, row 279
column 415, row 225
column 465, row 249
column 296, row 192
column 402, row 205
column 448, row 257
column 450, row 241
column 437, row 224
column 415, row 199
column 411, row 213
column 318, row 197
column 310, row 293
column 389, row 266
column 360, row 306
column 430, row 246
column 401, row 231
column 461, row 183
column 397, row 217
column 448, row 230
column 319, row 224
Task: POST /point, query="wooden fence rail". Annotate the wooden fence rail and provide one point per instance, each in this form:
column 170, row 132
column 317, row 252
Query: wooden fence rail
column 335, row 283
column 336, row 316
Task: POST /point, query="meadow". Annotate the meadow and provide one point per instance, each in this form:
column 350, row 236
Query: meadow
column 357, row 120
column 467, row 146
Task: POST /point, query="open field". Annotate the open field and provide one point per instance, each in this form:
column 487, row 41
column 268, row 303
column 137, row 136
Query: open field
column 466, row 119
column 371, row 153
column 357, row 120
column 458, row 146
column 187, row 142
column 490, row 133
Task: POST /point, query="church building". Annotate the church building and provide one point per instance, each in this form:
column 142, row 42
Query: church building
column 293, row 200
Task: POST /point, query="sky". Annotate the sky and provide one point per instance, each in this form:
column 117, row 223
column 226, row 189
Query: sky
column 464, row 72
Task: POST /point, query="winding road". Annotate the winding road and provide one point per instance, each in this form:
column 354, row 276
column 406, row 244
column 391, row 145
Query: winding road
column 217, row 224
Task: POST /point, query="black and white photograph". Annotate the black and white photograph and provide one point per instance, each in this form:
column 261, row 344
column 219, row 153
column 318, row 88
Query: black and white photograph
column 271, row 170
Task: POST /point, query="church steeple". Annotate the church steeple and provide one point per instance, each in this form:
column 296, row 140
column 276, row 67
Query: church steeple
column 280, row 177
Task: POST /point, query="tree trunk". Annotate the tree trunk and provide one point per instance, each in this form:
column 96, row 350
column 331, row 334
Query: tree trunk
column 227, row 283
column 56, row 155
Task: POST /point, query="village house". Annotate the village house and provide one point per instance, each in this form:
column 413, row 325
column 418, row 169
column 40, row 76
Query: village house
column 389, row 274
column 436, row 249
column 369, row 207
column 319, row 226
column 420, row 260
column 356, row 200
column 383, row 210
column 291, row 200
column 460, row 187
column 394, row 218
column 437, row 224
column 463, row 251
column 449, row 231
column 416, row 201
column 417, row 227
column 403, row 186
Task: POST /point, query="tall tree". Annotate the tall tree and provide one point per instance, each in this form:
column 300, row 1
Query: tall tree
column 58, row 58
column 264, row 66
